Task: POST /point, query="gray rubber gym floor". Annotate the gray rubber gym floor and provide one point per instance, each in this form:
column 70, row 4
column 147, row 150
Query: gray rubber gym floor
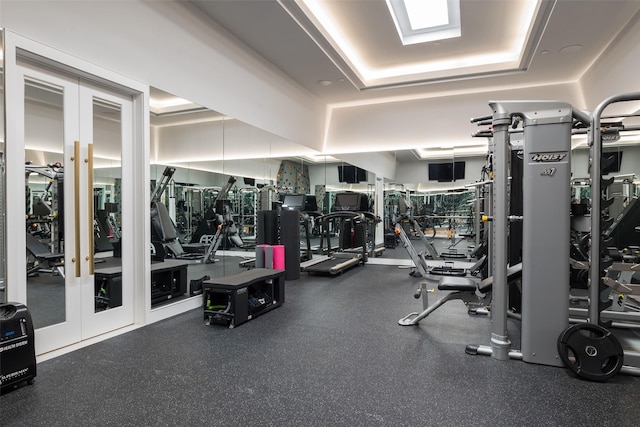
column 332, row 355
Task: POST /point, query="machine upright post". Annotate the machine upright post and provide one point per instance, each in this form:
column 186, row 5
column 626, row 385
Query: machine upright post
column 476, row 217
column 500, row 343
column 595, row 143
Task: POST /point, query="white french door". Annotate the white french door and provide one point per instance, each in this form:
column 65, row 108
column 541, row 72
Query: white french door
column 74, row 134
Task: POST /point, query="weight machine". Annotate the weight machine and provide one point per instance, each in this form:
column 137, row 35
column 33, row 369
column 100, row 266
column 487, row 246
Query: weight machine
column 588, row 349
column 545, row 273
column 165, row 231
column 406, row 216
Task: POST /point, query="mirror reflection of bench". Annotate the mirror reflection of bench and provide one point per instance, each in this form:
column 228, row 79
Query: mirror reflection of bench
column 168, row 281
column 236, row 299
column 45, row 260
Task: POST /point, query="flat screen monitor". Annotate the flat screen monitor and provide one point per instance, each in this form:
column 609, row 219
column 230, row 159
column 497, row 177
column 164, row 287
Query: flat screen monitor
column 293, row 202
column 446, row 172
column 357, row 202
column 351, row 174
column 614, row 166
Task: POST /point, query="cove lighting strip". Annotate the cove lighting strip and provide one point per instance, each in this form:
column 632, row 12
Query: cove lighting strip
column 521, row 24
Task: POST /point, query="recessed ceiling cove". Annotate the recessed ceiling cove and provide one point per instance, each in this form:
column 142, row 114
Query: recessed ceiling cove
column 361, row 38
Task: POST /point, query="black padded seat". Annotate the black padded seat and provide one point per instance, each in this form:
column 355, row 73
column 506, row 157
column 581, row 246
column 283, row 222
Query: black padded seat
column 452, row 283
column 40, row 250
column 244, row 278
column 449, row 270
column 46, row 259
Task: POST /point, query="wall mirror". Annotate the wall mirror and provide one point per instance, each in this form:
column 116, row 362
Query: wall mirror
column 210, row 176
column 2, row 176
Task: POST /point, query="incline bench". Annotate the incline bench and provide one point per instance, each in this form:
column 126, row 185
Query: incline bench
column 233, row 300
column 468, row 290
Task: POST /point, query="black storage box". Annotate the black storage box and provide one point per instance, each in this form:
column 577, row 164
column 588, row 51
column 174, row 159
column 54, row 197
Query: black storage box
column 390, row 241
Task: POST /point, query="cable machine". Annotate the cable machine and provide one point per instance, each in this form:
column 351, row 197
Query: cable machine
column 545, row 271
column 588, row 349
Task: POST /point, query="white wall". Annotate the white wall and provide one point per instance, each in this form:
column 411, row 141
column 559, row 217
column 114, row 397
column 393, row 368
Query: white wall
column 171, row 46
column 227, row 139
column 425, row 122
column 628, row 165
column 616, row 71
column 381, row 163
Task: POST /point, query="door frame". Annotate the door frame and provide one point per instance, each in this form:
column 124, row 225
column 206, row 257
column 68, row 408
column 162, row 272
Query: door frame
column 135, row 255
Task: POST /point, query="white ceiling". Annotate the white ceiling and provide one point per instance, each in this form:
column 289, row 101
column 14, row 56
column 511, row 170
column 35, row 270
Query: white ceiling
column 565, row 37
column 562, row 39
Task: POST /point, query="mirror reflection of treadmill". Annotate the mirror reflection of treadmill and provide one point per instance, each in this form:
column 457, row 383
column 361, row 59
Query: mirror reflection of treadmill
column 348, row 207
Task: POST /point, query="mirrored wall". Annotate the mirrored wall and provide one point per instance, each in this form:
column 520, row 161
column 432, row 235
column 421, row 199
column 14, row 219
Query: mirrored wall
column 210, row 177
column 214, row 172
column 2, row 176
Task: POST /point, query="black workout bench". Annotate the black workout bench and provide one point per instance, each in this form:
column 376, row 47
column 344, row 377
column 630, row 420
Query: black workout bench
column 47, row 261
column 233, row 300
column 470, row 291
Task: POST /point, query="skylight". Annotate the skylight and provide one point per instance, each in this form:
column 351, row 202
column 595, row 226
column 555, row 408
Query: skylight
column 420, row 21
column 426, row 14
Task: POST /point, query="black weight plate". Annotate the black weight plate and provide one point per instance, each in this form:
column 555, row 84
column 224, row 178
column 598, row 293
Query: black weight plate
column 590, row 351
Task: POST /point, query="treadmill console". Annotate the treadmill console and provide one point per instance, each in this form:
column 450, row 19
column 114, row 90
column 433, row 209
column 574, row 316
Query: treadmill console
column 355, row 202
column 293, row 202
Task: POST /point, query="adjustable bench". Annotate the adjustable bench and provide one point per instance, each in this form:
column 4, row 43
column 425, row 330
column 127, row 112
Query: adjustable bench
column 163, row 227
column 47, row 261
column 470, row 291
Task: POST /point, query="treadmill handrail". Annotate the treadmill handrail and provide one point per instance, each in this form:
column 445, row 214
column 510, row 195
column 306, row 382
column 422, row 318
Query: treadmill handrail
column 341, row 214
column 324, row 221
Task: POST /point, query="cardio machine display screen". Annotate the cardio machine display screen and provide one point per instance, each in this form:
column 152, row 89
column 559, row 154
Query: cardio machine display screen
column 293, row 201
column 11, row 329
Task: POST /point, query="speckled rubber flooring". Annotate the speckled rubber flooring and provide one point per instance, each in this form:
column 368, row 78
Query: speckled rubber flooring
column 332, row 355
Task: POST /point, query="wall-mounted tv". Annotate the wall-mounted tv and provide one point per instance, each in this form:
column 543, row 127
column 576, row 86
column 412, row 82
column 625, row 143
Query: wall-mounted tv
column 446, row 171
column 351, row 174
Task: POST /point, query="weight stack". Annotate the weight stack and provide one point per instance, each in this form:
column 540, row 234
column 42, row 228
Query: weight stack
column 267, row 233
column 17, row 349
column 605, row 222
column 290, row 236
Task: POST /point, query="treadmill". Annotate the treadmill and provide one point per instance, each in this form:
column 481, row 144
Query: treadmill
column 302, row 203
column 349, row 207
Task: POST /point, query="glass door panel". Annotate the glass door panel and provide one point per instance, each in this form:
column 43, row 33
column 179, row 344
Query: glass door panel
column 50, row 103
column 44, row 189
column 107, row 199
column 74, row 134
column 106, row 127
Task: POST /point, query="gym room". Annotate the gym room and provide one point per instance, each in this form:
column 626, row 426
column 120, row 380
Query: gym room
column 319, row 213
